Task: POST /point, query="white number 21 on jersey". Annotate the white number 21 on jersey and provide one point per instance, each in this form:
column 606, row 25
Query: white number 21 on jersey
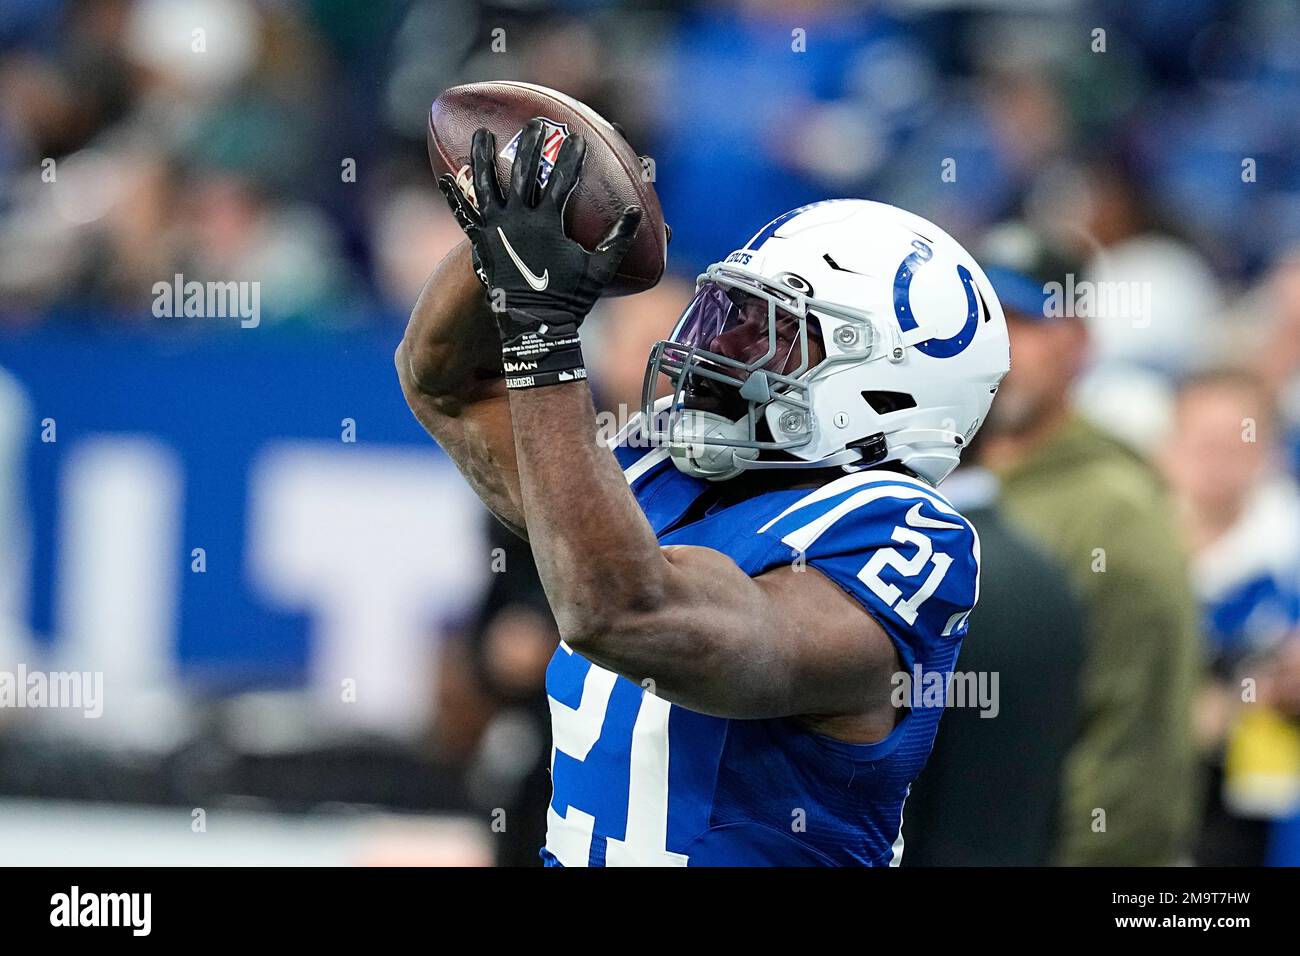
column 907, row 608
column 578, row 731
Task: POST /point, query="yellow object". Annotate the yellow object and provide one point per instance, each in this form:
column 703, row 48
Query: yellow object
column 1262, row 764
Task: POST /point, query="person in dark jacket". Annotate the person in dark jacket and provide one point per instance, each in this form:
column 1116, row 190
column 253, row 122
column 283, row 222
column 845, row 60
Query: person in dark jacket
column 990, row 793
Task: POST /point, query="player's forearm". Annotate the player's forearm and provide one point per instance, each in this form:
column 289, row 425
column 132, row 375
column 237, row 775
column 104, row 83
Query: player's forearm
column 450, row 349
column 597, row 556
column 449, row 366
column 617, row 597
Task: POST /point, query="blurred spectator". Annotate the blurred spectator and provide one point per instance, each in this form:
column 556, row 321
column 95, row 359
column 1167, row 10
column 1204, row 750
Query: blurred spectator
column 1240, row 516
column 226, row 156
column 1129, row 793
column 289, row 248
column 412, row 229
column 1272, row 311
column 513, row 641
column 625, row 331
column 1154, row 296
column 762, row 112
column 1149, row 298
column 990, row 794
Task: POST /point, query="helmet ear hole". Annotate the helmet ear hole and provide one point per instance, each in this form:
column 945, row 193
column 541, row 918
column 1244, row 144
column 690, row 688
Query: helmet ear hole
column 882, row 403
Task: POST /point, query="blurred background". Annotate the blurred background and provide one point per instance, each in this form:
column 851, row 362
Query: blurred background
column 315, row 646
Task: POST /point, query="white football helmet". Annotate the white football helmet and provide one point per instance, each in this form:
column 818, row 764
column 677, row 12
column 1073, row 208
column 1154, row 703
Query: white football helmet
column 845, row 333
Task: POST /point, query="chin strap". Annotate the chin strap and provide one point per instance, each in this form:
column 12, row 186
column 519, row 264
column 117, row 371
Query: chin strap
column 920, row 437
column 847, row 456
column 867, row 453
column 937, row 449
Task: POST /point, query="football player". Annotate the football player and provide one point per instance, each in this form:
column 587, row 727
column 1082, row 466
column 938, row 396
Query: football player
column 759, row 589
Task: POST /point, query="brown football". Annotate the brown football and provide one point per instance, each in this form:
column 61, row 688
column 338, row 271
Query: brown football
column 611, row 179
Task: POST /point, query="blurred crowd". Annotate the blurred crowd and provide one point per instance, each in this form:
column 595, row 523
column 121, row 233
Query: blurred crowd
column 1146, row 157
column 284, row 141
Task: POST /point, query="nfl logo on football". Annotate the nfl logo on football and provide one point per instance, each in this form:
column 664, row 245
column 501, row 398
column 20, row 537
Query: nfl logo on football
column 556, row 134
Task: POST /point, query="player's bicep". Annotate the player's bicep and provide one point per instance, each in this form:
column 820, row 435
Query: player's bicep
column 842, row 660
column 911, row 564
column 787, row 642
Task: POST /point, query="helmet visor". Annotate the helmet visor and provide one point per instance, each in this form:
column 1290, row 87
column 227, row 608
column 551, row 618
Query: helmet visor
column 730, row 333
column 752, row 331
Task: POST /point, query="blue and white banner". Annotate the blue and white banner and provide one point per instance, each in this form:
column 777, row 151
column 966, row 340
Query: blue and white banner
column 216, row 511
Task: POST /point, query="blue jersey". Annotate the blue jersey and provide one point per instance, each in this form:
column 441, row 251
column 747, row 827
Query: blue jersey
column 640, row 781
column 1248, row 580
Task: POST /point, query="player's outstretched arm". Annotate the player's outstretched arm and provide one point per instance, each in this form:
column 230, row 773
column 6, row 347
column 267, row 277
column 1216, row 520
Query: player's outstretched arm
column 710, row 637
column 689, row 619
column 449, row 364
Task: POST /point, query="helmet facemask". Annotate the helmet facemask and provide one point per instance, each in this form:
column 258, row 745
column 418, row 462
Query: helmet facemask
column 743, row 345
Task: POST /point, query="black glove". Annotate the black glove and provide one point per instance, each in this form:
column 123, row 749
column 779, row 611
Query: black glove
column 467, row 218
column 541, row 283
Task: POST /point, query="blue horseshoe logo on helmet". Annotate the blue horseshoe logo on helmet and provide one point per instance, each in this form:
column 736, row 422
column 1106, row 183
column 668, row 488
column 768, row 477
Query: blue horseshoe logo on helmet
column 935, row 348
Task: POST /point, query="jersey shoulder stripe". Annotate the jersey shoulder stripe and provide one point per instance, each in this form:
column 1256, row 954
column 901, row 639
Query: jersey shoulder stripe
column 903, row 486
column 801, row 524
column 807, row 528
column 896, row 545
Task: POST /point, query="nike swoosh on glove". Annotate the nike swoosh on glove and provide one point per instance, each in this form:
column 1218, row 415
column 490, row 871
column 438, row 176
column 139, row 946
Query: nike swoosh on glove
column 541, row 283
